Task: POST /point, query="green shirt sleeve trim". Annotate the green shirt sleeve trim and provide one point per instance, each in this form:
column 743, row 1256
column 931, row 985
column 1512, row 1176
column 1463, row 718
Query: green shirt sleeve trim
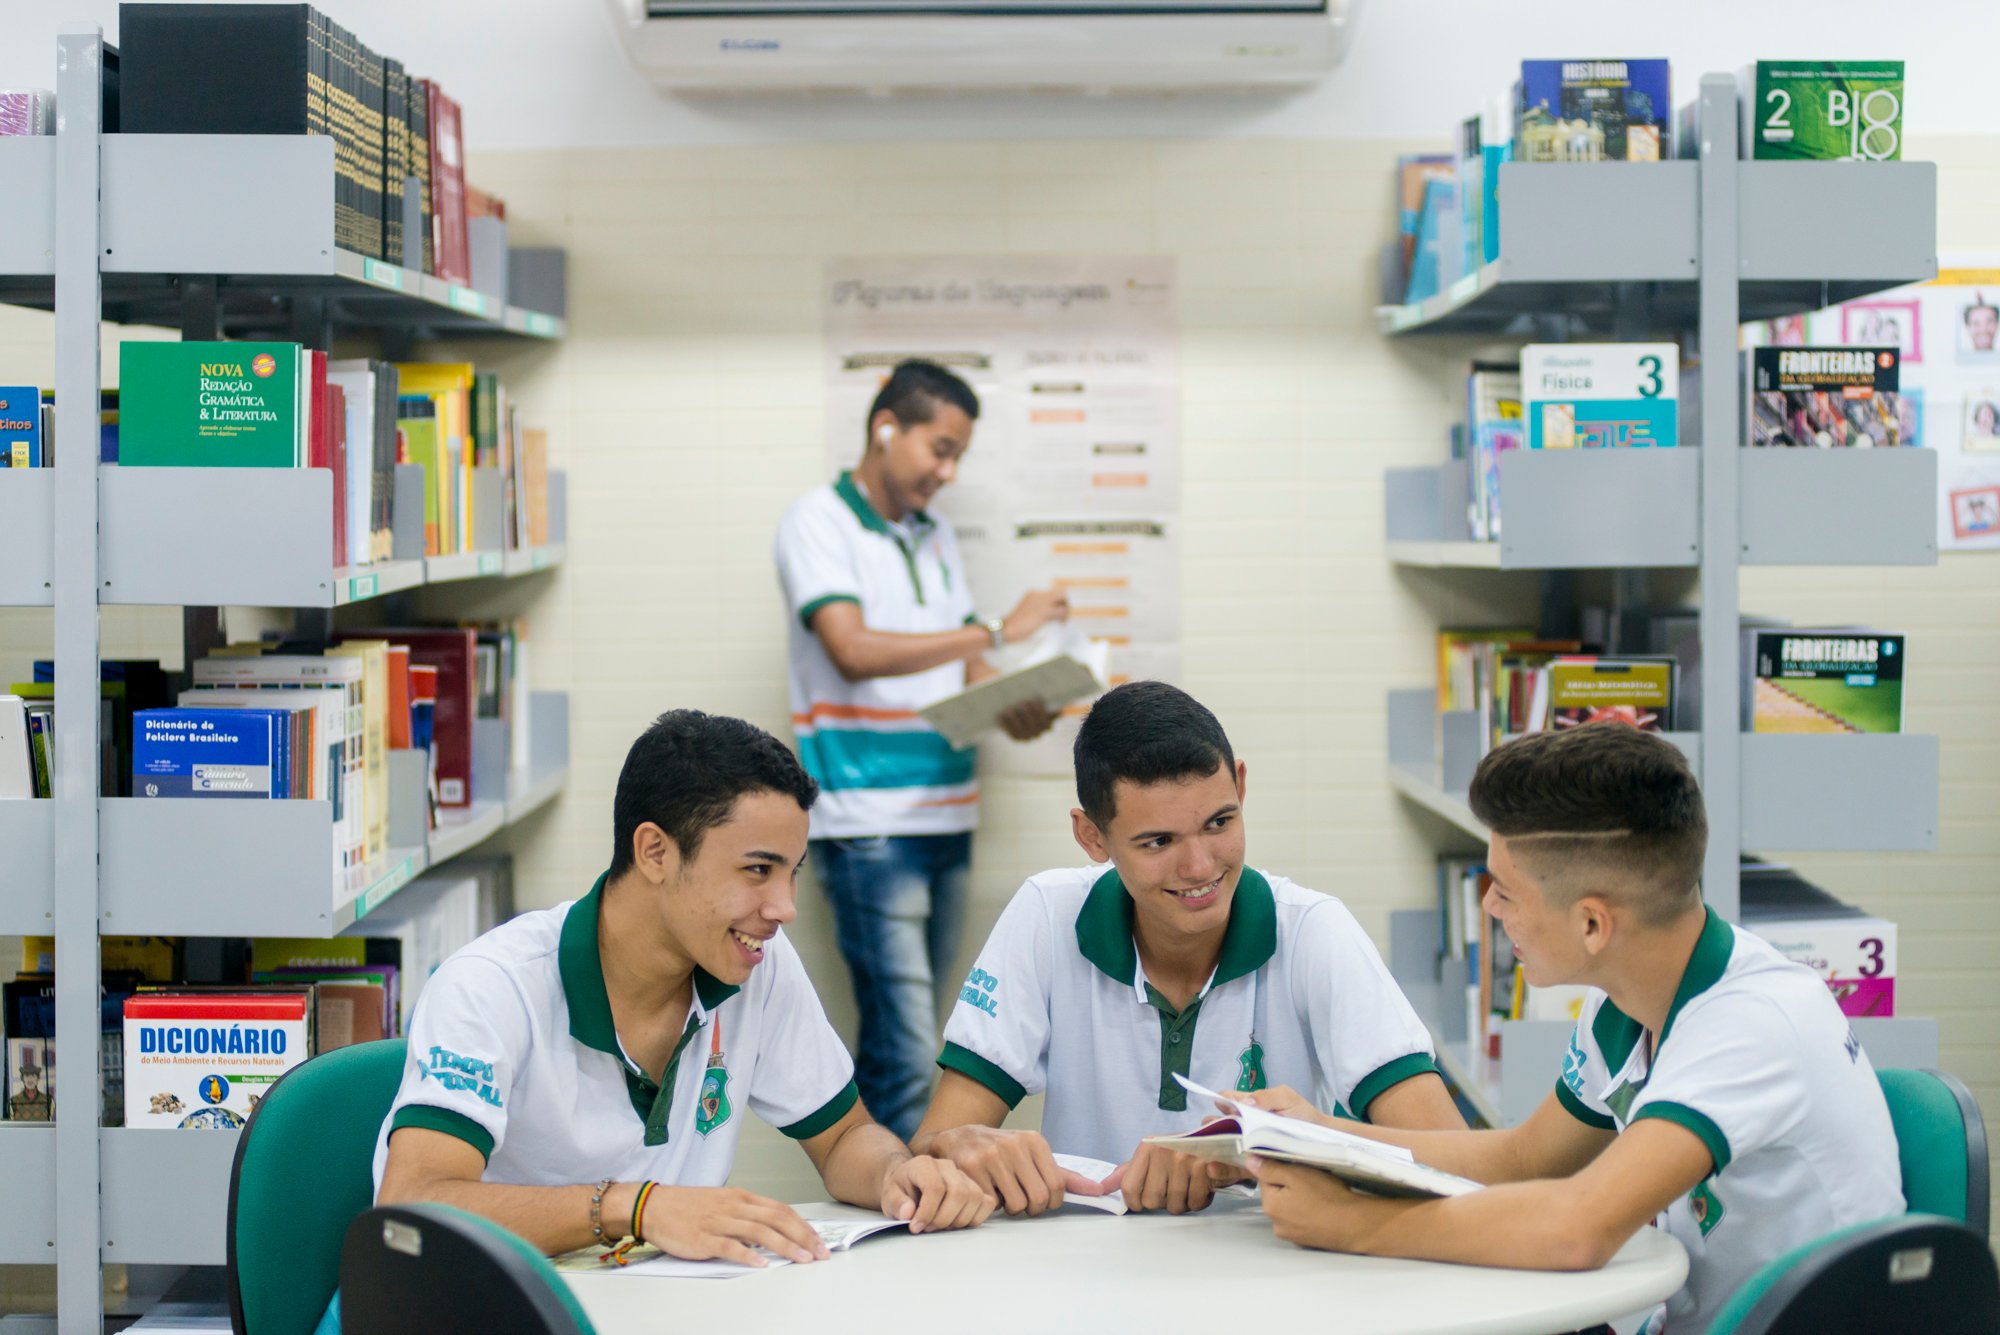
column 807, row 612
column 829, row 1112
column 975, row 1067
column 456, row 1124
column 1576, row 1108
column 1373, row 1085
column 1685, row 1117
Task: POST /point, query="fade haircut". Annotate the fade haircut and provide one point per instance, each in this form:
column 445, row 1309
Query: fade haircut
column 1144, row 732
column 685, row 773
column 1602, row 809
column 914, row 390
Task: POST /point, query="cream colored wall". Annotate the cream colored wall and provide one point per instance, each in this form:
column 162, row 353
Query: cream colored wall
column 686, row 405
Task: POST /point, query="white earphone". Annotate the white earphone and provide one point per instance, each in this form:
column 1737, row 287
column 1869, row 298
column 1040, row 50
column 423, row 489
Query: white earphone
column 886, row 434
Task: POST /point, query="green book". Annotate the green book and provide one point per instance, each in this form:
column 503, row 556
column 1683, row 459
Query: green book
column 1851, row 110
column 210, row 405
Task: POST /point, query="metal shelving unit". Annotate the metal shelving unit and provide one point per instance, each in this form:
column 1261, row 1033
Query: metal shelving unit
column 214, row 236
column 1699, row 246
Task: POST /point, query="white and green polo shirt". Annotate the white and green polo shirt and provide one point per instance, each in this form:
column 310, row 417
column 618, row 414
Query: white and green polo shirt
column 881, row 769
column 1059, row 1003
column 512, row 1050
column 1757, row 1060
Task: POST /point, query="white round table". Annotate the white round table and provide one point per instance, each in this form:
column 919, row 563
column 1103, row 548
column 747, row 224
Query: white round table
column 1079, row 1270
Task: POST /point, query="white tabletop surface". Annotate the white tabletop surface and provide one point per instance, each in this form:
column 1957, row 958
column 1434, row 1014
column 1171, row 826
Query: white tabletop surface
column 1079, row 1270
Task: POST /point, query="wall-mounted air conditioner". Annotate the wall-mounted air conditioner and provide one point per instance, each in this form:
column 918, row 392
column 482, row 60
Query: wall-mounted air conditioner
column 971, row 45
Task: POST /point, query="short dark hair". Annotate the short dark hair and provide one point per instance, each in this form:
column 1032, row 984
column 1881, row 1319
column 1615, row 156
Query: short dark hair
column 1144, row 732
column 685, row 773
column 1980, row 305
column 1604, row 808
column 914, row 390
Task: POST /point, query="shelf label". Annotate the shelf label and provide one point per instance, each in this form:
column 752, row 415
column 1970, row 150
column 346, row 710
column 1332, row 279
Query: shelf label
column 372, row 897
column 465, row 299
column 362, row 586
column 1402, row 317
column 1465, row 289
column 489, row 563
column 539, row 559
column 382, row 275
column 541, row 326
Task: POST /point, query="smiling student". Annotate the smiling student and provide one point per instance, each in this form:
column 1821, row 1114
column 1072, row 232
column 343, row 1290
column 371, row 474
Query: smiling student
column 580, row 1074
column 1098, row 986
column 1710, row 1080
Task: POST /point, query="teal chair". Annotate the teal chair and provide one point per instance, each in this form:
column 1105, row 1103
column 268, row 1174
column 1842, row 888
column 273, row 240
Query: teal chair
column 1941, row 1140
column 304, row 1169
column 1913, row 1272
column 438, row 1270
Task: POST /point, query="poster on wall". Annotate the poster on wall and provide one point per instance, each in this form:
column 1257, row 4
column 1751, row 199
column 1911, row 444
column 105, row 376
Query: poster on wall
column 1949, row 333
column 1073, row 478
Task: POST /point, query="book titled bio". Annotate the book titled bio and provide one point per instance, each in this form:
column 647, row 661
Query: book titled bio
column 1600, row 395
column 210, row 405
column 1851, row 110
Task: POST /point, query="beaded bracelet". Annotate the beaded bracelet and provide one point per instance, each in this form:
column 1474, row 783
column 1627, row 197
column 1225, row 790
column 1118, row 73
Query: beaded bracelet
column 597, row 1212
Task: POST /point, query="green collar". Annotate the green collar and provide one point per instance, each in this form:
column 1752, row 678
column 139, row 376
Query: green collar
column 582, row 969
column 1705, row 967
column 850, row 491
column 1104, row 929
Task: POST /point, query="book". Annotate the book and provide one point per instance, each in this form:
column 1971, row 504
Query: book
column 1493, row 426
column 202, row 1059
column 1829, row 398
column 1850, row 110
column 451, row 652
column 1638, row 692
column 17, row 750
column 451, row 245
column 21, row 427
column 211, row 405
column 1593, row 110
column 1853, row 951
column 1367, row 1165
column 211, row 752
column 42, row 743
column 1059, row 668
column 27, row 111
column 1837, row 681
column 1096, row 1170
column 374, row 656
column 1414, row 172
column 1600, row 395
column 28, row 1005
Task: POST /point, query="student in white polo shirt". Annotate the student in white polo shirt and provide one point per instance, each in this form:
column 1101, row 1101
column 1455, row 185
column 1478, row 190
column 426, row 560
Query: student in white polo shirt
column 580, row 1074
column 1711, row 1083
column 1099, row 986
column 882, row 622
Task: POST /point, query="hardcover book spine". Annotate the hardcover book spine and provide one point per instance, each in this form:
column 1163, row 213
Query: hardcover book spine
column 368, row 68
column 395, row 156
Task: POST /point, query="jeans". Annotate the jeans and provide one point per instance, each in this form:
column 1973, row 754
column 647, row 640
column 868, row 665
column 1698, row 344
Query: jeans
column 898, row 904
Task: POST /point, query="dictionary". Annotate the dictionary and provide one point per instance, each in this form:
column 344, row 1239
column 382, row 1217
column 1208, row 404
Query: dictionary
column 203, row 1060
column 1829, row 398
column 1825, row 681
column 211, row 405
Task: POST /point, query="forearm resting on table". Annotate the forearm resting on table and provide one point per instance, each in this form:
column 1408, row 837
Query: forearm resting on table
column 1520, row 1225
column 552, row 1219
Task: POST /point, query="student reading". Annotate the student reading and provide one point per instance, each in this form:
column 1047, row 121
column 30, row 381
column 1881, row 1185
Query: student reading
column 1709, row 1079
column 1098, row 986
column 580, row 1074
column 882, row 623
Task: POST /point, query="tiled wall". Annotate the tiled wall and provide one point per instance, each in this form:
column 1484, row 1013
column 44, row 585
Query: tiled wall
column 686, row 405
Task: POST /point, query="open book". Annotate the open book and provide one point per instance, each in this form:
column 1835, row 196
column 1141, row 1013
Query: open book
column 1368, row 1165
column 648, row 1261
column 1112, row 1202
column 1056, row 669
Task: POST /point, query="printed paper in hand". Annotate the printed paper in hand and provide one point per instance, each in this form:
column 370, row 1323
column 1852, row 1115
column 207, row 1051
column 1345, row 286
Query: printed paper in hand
column 1096, row 1170
column 1058, row 667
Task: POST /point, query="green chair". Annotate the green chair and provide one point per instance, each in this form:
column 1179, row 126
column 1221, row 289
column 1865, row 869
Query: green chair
column 438, row 1270
column 1941, row 1140
column 304, row 1169
column 1905, row 1273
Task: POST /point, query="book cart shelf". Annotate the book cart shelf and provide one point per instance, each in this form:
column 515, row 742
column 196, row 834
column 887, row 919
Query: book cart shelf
column 218, row 236
column 1696, row 246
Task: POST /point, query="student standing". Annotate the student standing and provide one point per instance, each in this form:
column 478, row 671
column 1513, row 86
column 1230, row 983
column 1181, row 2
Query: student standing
column 1100, row 985
column 1711, row 1082
column 882, row 622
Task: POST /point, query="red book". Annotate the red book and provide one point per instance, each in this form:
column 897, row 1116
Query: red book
column 451, row 653
column 399, row 697
column 336, row 411
column 449, row 240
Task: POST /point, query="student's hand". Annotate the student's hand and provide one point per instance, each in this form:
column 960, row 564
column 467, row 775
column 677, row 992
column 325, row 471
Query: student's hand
column 725, row 1223
column 934, row 1195
column 1284, row 1101
column 1037, row 608
column 1026, row 721
column 1015, row 1167
column 1309, row 1208
column 1156, row 1178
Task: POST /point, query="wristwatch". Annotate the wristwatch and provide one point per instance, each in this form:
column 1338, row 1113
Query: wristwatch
column 996, row 631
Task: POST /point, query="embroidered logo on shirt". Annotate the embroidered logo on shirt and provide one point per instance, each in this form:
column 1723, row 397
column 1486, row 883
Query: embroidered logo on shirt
column 1250, row 1067
column 1706, row 1207
column 463, row 1074
column 978, row 991
column 714, row 1108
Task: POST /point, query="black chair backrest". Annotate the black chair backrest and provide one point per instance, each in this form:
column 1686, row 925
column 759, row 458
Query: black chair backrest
column 435, row 1270
column 1915, row 1273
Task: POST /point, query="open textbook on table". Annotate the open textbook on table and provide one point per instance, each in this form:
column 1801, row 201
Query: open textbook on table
column 1368, row 1165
